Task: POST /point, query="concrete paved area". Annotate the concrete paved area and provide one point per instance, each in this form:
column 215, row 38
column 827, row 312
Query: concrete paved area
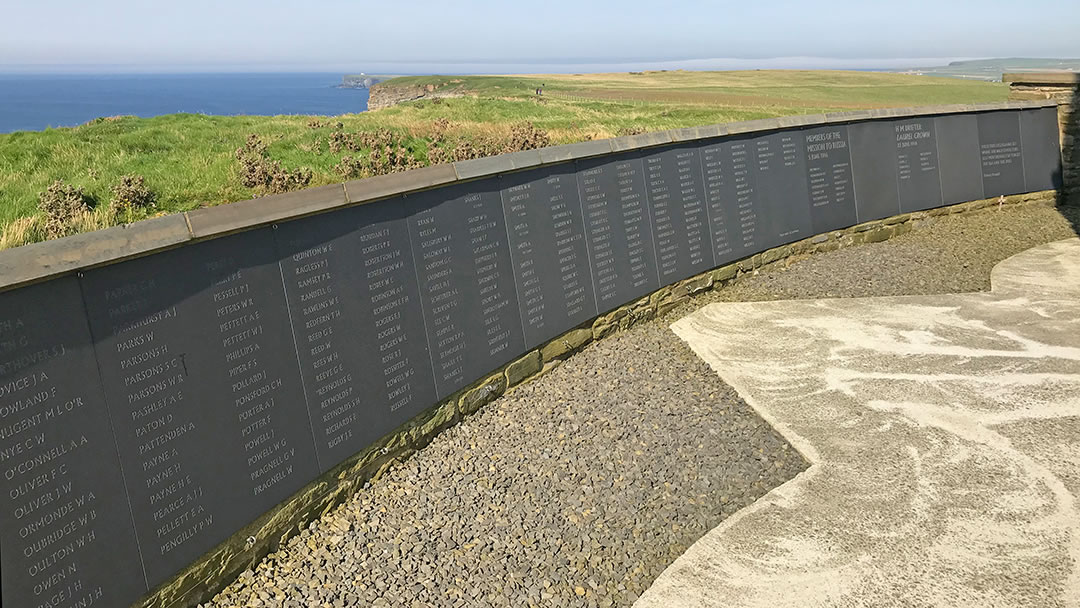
column 944, row 433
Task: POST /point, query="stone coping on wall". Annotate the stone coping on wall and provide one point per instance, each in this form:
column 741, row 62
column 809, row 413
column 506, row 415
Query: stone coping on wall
column 202, row 579
column 37, row 262
column 1041, row 78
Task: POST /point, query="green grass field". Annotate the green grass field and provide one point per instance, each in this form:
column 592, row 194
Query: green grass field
column 189, row 160
column 763, row 89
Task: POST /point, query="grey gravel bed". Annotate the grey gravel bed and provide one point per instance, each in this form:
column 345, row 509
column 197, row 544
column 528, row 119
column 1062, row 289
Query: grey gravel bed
column 579, row 488
column 576, row 489
column 948, row 254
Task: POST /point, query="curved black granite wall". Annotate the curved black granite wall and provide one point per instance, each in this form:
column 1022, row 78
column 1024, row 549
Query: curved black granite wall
column 150, row 407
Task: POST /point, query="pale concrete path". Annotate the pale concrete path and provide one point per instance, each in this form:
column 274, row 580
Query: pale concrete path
column 944, row 433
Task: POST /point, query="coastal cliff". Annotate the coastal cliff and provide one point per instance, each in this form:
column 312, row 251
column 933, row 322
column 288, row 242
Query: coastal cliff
column 388, row 94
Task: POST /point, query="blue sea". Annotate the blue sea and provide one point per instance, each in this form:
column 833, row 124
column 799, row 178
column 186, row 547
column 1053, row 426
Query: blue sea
column 35, row 102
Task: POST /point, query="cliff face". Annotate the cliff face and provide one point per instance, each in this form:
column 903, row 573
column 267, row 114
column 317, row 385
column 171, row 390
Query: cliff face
column 358, row 81
column 385, row 95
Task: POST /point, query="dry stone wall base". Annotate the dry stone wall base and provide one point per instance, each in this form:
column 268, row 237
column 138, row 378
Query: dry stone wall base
column 200, row 581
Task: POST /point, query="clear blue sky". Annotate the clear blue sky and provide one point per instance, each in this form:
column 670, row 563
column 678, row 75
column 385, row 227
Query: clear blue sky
column 454, row 35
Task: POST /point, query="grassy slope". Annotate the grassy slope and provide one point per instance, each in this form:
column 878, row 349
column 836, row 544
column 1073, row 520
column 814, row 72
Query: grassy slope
column 188, row 159
column 788, row 89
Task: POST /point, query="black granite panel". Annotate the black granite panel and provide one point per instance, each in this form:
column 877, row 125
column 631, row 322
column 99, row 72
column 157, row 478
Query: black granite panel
column 829, row 181
column 548, row 250
column 736, row 218
column 1042, row 149
column 66, row 537
column 466, row 278
column 1001, row 153
column 874, row 167
column 958, row 158
column 201, row 379
column 680, row 216
column 781, row 188
column 359, row 329
column 618, row 229
column 917, row 164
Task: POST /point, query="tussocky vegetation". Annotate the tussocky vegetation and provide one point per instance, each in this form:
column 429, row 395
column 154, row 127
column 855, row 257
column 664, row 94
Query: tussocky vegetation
column 119, row 169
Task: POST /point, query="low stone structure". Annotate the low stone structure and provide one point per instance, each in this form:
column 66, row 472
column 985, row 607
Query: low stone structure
column 1063, row 88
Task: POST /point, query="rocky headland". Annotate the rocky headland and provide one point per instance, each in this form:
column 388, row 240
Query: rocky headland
column 387, row 94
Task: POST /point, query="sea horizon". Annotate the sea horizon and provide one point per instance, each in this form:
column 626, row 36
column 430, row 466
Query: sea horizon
column 35, row 102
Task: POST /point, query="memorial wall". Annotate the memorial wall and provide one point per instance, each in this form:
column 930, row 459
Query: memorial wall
column 1062, row 89
column 152, row 407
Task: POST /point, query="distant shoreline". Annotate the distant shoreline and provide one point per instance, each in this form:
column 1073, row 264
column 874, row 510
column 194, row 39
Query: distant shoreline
column 38, row 102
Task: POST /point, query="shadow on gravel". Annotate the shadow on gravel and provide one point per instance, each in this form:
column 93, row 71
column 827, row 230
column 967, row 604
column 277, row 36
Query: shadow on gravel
column 1071, row 211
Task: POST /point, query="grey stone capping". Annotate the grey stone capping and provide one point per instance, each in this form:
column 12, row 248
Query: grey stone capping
column 752, row 126
column 645, row 140
column 1042, row 78
column 224, row 219
column 893, row 112
column 493, row 165
column 801, row 120
column 391, row 184
column 480, row 167
column 850, row 116
column 990, row 107
column 39, row 261
column 1042, row 103
column 906, row 112
column 885, row 113
column 526, row 159
column 695, row 133
column 583, row 149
